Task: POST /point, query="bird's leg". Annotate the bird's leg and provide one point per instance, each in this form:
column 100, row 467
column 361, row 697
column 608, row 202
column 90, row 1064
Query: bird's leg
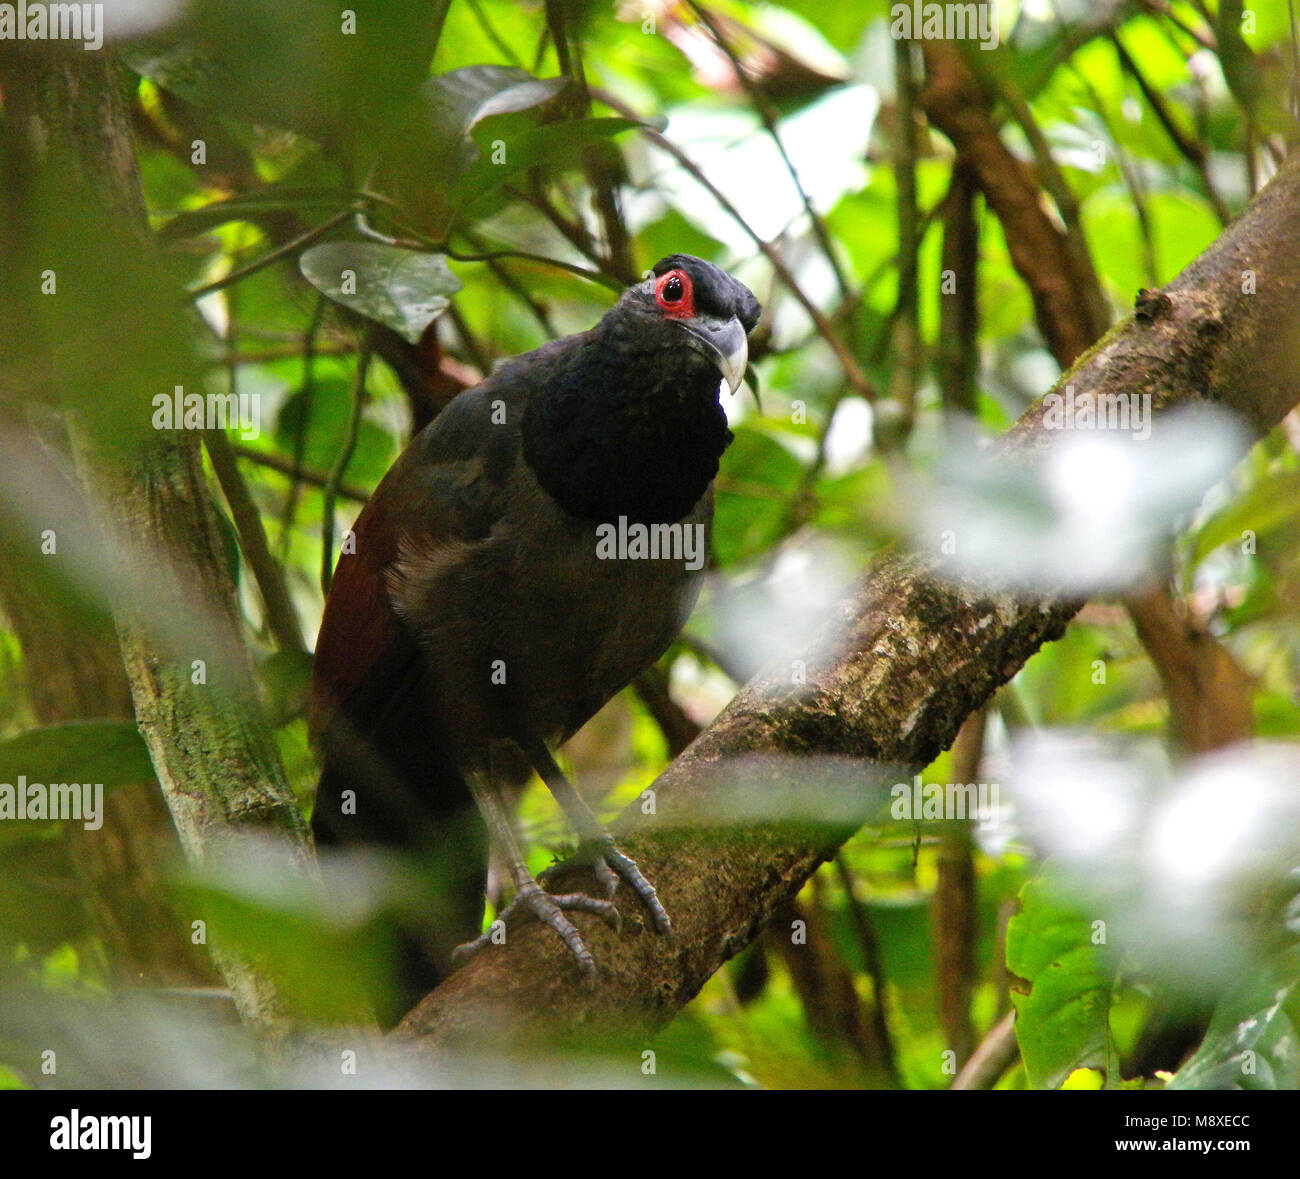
column 608, row 862
column 529, row 895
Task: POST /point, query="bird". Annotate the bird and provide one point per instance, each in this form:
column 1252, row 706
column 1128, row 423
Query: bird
column 479, row 613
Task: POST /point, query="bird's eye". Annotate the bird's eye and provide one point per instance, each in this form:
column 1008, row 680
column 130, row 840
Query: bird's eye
column 674, row 294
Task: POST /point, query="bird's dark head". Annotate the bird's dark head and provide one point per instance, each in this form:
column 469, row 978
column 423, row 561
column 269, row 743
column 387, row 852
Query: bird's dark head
column 629, row 422
column 687, row 302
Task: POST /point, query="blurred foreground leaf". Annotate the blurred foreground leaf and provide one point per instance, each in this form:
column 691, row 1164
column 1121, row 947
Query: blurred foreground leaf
column 108, row 751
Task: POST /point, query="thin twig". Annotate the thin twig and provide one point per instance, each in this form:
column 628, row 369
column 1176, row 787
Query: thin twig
column 616, row 259
column 853, row 374
column 1189, row 148
column 763, row 108
column 801, row 502
column 706, row 652
column 341, row 461
column 284, row 466
column 274, row 255
column 573, row 231
column 281, row 617
column 1203, row 37
column 306, row 394
column 284, row 352
column 906, row 332
column 523, row 255
column 1295, row 60
column 489, row 31
column 520, row 292
column 1132, row 181
column 1073, row 36
column 870, row 946
column 415, row 239
column 957, row 361
column 996, row 1053
column 678, row 729
column 955, row 902
column 473, row 348
column 1096, row 306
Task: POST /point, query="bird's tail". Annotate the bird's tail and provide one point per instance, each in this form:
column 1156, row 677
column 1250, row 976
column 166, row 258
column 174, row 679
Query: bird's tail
column 382, row 791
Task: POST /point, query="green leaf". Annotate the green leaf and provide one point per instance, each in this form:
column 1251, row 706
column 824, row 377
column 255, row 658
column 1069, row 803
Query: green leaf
column 109, row 751
column 1240, row 70
column 1273, row 501
column 286, row 64
column 402, row 289
column 673, row 233
column 1063, row 1017
column 449, row 107
column 321, row 967
column 95, row 751
column 757, row 479
column 553, row 146
column 467, row 96
column 1182, row 225
column 1250, row 1044
column 188, row 70
column 285, row 678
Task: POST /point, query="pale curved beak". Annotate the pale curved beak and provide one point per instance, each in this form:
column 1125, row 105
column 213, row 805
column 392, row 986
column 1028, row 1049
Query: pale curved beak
column 724, row 342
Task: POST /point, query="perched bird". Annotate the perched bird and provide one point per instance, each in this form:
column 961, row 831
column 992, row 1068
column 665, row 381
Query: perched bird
column 479, row 615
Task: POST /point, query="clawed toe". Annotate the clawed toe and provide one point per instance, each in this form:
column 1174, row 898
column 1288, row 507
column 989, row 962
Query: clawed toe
column 550, row 908
column 610, row 865
column 624, row 866
column 605, row 874
column 585, row 904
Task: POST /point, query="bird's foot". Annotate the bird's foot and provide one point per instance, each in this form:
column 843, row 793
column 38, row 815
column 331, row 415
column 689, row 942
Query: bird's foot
column 610, row 865
column 549, row 908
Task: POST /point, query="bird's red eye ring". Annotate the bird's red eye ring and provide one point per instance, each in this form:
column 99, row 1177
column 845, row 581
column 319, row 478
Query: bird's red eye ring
column 675, row 294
